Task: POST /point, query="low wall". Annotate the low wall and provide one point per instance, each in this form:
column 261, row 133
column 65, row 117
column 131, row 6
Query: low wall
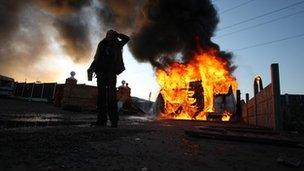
column 83, row 96
column 258, row 111
column 264, row 109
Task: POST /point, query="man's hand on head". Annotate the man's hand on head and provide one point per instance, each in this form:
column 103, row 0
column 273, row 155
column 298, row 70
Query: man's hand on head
column 115, row 33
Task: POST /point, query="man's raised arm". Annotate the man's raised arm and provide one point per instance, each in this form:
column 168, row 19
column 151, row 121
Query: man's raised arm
column 123, row 38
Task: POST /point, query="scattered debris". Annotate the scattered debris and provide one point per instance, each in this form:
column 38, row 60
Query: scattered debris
column 287, row 161
column 144, row 169
column 228, row 135
column 241, row 129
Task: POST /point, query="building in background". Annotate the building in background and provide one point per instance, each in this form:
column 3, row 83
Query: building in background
column 6, row 86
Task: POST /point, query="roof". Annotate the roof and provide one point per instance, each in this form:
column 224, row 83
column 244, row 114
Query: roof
column 6, row 78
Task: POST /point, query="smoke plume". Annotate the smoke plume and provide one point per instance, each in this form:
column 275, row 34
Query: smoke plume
column 71, row 26
column 74, row 36
column 163, row 31
column 25, row 33
column 21, row 39
column 62, row 6
column 29, row 27
column 121, row 15
column 173, row 27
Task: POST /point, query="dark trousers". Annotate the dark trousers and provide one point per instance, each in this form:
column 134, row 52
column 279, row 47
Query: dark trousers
column 106, row 101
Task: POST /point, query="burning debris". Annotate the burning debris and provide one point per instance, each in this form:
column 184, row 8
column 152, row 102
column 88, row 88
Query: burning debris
column 194, row 75
column 198, row 88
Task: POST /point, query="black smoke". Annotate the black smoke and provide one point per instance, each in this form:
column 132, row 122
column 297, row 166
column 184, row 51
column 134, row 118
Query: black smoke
column 9, row 21
column 74, row 35
column 163, row 30
column 71, row 25
column 22, row 41
column 121, row 15
column 62, row 6
column 24, row 34
column 68, row 19
column 172, row 27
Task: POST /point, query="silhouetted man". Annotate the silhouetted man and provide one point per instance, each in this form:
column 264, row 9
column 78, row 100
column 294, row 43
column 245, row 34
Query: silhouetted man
column 107, row 64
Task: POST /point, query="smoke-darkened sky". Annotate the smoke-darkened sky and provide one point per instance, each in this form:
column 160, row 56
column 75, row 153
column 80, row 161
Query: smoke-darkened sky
column 159, row 30
column 34, row 30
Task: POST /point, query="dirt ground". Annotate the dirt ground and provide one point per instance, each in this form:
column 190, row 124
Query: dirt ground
column 137, row 144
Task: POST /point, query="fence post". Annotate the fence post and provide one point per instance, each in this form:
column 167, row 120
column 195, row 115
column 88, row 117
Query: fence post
column 247, row 97
column 275, row 80
column 23, row 87
column 54, row 90
column 41, row 95
column 32, row 90
column 238, row 105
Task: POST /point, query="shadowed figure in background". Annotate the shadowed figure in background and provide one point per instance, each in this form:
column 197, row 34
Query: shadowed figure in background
column 107, row 64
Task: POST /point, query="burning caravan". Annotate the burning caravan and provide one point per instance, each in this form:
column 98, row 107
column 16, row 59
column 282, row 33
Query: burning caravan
column 202, row 89
column 224, row 106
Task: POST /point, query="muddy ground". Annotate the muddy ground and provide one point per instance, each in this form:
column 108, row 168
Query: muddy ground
column 137, row 144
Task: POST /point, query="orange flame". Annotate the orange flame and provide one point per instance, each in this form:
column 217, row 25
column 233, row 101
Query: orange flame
column 212, row 73
column 226, row 116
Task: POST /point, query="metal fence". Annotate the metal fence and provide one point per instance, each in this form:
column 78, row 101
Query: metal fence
column 35, row 90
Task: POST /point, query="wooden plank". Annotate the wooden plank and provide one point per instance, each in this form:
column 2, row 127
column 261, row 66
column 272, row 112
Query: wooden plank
column 244, row 138
column 231, row 129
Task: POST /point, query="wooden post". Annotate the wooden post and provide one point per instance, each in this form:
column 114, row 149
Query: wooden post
column 23, row 87
column 256, row 110
column 238, row 105
column 54, row 90
column 15, row 88
column 247, row 100
column 255, row 87
column 275, row 80
column 247, row 97
column 255, row 91
column 32, row 90
column 41, row 95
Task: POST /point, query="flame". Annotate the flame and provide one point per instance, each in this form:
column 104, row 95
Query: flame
column 226, row 116
column 208, row 72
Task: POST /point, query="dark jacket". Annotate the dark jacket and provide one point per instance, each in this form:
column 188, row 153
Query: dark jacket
column 108, row 58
